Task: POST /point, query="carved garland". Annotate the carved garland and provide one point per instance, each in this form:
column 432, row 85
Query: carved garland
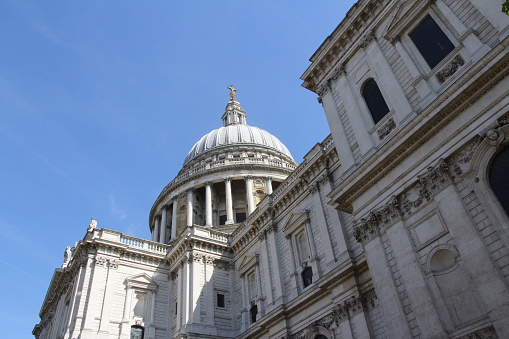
column 451, row 68
column 342, row 312
column 427, row 184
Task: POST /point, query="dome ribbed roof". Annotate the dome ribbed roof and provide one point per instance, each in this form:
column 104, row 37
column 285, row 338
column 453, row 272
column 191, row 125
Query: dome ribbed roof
column 236, row 134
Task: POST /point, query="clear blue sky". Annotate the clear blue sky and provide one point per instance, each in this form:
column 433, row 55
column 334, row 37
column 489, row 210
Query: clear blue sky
column 100, row 101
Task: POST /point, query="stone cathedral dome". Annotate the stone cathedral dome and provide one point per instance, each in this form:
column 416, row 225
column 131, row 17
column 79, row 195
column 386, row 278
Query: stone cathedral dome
column 236, row 131
column 224, row 177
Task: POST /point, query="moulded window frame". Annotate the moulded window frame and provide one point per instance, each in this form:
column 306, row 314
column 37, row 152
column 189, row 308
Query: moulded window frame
column 363, row 83
column 414, row 52
column 479, row 169
column 296, row 226
column 366, row 115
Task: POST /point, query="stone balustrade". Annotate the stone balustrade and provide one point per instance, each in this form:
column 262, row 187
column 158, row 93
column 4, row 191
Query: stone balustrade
column 121, row 239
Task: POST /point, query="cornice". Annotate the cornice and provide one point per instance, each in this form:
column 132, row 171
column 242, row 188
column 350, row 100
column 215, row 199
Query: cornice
column 434, row 118
column 343, row 42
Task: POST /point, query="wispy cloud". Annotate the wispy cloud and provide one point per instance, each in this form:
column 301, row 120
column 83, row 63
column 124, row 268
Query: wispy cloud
column 23, row 272
column 36, row 18
column 24, row 243
column 115, row 210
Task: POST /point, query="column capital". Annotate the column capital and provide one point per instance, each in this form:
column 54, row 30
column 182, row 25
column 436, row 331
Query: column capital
column 208, row 183
column 228, row 179
column 249, row 178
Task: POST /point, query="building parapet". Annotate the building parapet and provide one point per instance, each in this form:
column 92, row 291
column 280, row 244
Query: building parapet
column 123, row 240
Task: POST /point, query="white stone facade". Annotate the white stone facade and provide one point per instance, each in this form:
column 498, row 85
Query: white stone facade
column 391, row 227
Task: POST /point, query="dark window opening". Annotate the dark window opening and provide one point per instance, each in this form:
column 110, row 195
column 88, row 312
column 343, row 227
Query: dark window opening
column 321, row 336
column 307, row 276
column 137, row 332
column 254, row 312
column 220, row 300
column 222, row 219
column 240, row 217
column 375, row 100
column 431, row 42
column 499, row 172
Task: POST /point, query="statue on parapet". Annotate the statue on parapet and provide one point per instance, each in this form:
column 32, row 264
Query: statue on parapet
column 92, row 226
column 67, row 256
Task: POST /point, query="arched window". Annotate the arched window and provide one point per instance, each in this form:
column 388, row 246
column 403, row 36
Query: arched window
column 137, row 332
column 498, row 174
column 375, row 100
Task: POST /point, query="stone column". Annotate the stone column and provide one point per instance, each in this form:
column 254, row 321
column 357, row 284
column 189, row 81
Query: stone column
column 264, row 246
column 294, row 280
column 386, row 77
column 420, row 83
column 73, row 330
column 259, row 299
column 111, row 276
column 156, row 229
column 126, row 328
column 174, row 219
column 269, row 185
column 162, row 233
column 208, row 204
column 190, row 196
column 314, row 190
column 229, row 201
column 354, row 115
column 275, row 262
column 245, row 310
column 249, row 195
column 385, row 286
column 314, row 256
column 337, row 128
column 96, row 280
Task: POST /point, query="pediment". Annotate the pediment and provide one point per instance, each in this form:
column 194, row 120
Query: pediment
column 403, row 15
column 296, row 219
column 143, row 281
column 247, row 263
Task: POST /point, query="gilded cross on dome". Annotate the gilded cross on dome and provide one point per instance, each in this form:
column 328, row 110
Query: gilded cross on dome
column 232, row 92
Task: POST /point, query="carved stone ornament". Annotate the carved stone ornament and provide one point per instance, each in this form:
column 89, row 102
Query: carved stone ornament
column 386, row 128
column 494, row 134
column 464, row 157
column 485, row 333
column 370, row 227
column 367, row 39
column 100, row 261
column 113, row 263
column 451, row 68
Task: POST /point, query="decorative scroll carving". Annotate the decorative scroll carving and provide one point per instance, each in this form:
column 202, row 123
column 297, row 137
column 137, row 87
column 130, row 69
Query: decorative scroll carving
column 209, row 260
column 464, row 157
column 100, row 261
column 313, row 188
column 451, row 68
column 113, row 263
column 485, row 333
column 370, row 227
column 386, row 128
column 367, row 39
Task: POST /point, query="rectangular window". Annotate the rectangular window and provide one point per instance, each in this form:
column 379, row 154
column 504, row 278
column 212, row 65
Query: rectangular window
column 222, row 219
column 220, row 300
column 431, row 42
column 240, row 217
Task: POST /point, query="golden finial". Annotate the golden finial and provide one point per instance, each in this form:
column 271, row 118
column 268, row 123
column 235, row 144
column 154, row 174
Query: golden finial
column 232, row 92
